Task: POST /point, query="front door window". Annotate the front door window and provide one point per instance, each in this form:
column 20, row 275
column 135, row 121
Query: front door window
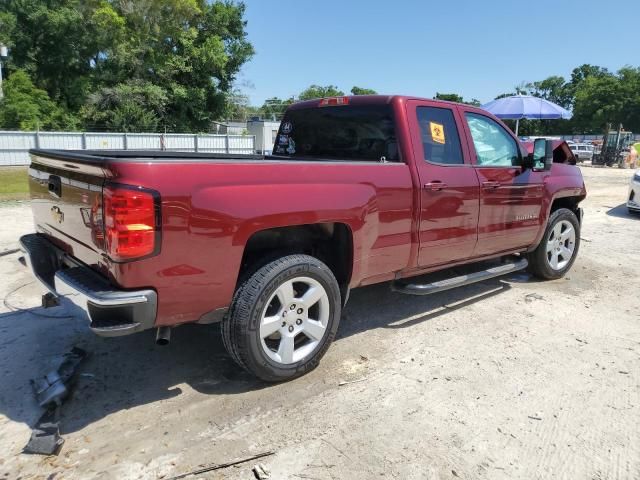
column 494, row 147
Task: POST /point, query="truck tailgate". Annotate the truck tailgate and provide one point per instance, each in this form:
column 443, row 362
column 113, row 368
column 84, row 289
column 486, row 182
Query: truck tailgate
column 66, row 199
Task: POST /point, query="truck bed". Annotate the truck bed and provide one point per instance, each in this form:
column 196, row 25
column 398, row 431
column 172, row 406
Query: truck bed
column 209, row 207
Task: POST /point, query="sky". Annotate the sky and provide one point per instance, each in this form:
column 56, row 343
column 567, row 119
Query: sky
column 478, row 49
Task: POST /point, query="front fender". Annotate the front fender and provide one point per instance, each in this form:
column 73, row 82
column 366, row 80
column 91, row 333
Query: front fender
column 564, row 181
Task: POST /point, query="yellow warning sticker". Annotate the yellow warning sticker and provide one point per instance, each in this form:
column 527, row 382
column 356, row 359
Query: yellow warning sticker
column 437, row 132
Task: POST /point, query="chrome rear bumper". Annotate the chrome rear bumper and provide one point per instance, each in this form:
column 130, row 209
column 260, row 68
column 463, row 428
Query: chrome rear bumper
column 110, row 312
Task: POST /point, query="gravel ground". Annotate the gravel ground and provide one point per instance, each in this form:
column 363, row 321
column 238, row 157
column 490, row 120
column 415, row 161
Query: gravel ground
column 510, row 378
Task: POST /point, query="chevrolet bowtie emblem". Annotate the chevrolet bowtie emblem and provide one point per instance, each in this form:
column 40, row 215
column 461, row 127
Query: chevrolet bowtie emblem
column 57, row 214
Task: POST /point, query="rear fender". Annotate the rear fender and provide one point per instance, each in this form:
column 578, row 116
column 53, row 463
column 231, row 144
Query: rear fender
column 247, row 212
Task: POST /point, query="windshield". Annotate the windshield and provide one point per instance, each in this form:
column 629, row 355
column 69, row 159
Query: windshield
column 361, row 133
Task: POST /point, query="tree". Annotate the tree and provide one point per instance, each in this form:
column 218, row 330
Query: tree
column 238, row 107
column 449, row 97
column 554, row 88
column 584, row 71
column 190, row 49
column 273, row 108
column 362, row 91
column 602, row 99
column 52, row 42
column 29, row 108
column 317, row 91
column 136, row 106
column 454, row 97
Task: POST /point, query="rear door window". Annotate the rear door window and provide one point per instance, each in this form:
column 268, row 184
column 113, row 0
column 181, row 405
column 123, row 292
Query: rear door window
column 353, row 133
column 439, row 134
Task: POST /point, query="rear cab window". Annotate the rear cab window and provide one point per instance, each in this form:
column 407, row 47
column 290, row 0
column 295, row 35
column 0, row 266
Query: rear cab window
column 343, row 132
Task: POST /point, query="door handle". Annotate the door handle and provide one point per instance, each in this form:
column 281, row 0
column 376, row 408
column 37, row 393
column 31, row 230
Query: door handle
column 435, row 185
column 490, row 185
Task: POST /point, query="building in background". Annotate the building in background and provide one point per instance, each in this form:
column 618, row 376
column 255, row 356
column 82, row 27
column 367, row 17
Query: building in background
column 265, row 133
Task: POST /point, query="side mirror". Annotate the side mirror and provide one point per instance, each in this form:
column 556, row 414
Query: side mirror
column 542, row 157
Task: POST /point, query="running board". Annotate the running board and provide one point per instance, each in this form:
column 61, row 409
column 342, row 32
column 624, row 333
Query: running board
column 460, row 281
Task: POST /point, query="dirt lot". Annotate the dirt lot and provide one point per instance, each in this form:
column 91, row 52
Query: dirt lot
column 506, row 379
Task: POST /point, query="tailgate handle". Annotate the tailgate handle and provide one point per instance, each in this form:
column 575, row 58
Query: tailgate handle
column 55, row 185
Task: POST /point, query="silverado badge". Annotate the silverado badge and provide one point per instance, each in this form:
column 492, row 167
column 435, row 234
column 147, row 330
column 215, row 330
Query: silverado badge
column 57, row 214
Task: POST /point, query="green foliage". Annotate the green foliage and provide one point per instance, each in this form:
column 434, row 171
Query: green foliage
column 83, row 53
column 238, row 107
column 595, row 95
column 609, row 99
column 449, row 97
column 27, row 107
column 128, row 107
column 316, row 91
column 454, row 97
column 273, row 108
column 362, row 91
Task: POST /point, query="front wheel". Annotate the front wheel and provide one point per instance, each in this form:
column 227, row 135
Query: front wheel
column 283, row 318
column 558, row 249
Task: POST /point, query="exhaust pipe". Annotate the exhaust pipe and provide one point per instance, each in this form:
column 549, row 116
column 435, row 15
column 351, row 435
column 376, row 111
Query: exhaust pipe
column 163, row 336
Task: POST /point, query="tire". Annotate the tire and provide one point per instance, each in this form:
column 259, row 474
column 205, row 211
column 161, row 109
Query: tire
column 548, row 261
column 275, row 328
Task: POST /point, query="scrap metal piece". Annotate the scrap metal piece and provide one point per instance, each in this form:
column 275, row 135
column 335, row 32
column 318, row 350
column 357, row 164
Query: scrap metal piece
column 50, row 392
column 49, row 389
column 52, row 388
column 45, row 435
column 261, row 472
column 220, row 466
column 49, row 300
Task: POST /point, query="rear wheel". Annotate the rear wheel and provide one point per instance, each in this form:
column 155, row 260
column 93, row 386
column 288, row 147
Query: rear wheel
column 557, row 251
column 283, row 318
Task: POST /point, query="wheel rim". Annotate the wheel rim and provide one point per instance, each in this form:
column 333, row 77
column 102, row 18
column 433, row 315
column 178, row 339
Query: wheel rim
column 561, row 244
column 295, row 320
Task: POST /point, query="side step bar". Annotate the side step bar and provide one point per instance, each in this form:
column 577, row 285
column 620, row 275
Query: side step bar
column 460, row 281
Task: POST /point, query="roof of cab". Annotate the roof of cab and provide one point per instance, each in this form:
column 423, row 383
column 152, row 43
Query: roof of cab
column 366, row 100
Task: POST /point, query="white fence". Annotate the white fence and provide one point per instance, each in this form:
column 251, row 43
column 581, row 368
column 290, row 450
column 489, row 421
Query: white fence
column 14, row 146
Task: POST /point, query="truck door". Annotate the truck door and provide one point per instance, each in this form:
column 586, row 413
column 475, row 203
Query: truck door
column 510, row 197
column 449, row 188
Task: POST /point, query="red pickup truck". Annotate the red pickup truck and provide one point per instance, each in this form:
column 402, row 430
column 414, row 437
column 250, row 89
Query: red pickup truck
column 358, row 190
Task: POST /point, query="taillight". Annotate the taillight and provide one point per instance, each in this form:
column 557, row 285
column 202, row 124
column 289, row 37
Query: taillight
column 130, row 222
column 333, row 101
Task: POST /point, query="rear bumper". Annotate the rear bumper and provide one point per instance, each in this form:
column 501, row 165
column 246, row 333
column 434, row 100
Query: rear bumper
column 109, row 312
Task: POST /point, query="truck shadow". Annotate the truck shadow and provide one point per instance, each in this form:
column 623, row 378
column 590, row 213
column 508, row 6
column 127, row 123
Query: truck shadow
column 123, row 373
column 395, row 311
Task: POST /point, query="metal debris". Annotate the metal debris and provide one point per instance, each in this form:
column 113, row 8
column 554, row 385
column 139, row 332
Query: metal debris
column 50, row 392
column 348, row 382
column 52, row 388
column 532, row 296
column 45, row 435
column 261, row 473
column 220, row 466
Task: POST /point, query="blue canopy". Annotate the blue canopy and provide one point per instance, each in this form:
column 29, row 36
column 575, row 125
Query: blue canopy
column 526, row 106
